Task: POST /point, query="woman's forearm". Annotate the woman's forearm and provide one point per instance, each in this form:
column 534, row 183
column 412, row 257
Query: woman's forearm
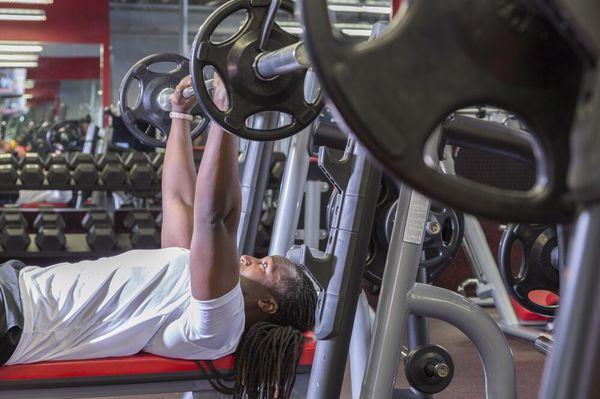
column 179, row 172
column 218, row 193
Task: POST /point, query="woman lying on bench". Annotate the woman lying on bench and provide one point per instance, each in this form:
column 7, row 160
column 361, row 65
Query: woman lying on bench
column 192, row 299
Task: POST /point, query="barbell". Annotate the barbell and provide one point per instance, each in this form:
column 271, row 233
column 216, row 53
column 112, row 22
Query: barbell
column 258, row 78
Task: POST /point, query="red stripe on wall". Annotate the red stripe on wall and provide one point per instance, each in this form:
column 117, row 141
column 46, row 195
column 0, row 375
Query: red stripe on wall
column 67, row 21
column 65, row 69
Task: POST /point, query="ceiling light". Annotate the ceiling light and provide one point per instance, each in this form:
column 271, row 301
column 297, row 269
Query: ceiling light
column 20, row 47
column 32, row 2
column 27, row 96
column 21, row 14
column 18, row 57
column 29, row 84
column 360, row 9
column 357, row 32
column 18, row 64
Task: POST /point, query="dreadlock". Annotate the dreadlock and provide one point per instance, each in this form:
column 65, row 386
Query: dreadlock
column 267, row 356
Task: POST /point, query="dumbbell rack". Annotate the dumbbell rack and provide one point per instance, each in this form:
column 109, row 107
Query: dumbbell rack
column 76, row 247
column 12, row 172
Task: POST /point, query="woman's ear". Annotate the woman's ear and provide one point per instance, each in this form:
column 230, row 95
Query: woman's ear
column 268, row 305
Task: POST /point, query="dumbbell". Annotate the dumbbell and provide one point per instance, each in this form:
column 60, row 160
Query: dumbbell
column 100, row 234
column 8, row 169
column 14, row 235
column 84, row 168
column 157, row 163
column 50, row 235
column 141, row 172
column 144, row 233
column 58, row 172
column 111, row 168
column 32, row 172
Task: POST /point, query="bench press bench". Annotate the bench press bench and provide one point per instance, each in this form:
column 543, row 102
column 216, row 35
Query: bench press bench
column 138, row 374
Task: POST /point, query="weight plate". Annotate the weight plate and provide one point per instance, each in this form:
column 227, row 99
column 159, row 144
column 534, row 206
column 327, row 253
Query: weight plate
column 429, row 369
column 392, row 101
column 148, row 118
column 539, row 264
column 249, row 95
column 65, row 136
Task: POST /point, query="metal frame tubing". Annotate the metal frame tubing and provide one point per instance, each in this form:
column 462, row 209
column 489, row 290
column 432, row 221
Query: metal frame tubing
column 572, row 369
column 312, row 213
column 483, row 264
column 184, row 10
column 400, row 295
column 254, row 182
column 292, row 185
column 479, row 327
column 356, row 216
column 360, row 343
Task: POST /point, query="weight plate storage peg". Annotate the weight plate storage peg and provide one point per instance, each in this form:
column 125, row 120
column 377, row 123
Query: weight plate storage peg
column 249, row 93
column 148, row 117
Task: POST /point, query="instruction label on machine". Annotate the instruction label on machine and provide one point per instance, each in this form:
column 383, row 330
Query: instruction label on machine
column 417, row 216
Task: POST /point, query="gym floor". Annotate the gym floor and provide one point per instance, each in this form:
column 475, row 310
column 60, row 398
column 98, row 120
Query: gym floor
column 468, row 375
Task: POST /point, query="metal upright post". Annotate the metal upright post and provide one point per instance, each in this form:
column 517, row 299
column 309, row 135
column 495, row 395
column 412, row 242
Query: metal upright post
column 292, row 184
column 312, row 213
column 254, row 182
column 359, row 344
column 184, row 9
column 398, row 278
column 573, row 368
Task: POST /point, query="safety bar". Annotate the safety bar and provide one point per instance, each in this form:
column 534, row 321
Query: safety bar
column 329, row 135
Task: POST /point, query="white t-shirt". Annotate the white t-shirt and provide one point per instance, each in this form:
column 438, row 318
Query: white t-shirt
column 119, row 306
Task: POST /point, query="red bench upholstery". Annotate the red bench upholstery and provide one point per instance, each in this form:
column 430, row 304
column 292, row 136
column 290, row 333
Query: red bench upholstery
column 142, row 364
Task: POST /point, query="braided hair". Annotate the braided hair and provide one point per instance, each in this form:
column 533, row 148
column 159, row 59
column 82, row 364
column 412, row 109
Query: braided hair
column 269, row 352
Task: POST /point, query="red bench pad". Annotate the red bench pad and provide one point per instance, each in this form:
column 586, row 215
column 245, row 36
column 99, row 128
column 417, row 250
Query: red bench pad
column 140, row 364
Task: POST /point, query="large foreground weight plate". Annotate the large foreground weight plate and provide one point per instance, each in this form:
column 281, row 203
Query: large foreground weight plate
column 148, row 118
column 392, row 93
column 539, row 264
column 249, row 95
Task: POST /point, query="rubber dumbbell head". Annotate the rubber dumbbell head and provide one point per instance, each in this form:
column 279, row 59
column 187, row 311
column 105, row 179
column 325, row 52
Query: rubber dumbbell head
column 111, row 168
column 101, row 235
column 8, row 174
column 50, row 235
column 59, row 172
column 31, row 174
column 14, row 236
column 144, row 234
column 84, row 167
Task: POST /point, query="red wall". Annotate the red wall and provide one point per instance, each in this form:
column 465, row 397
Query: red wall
column 68, row 21
column 57, row 68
